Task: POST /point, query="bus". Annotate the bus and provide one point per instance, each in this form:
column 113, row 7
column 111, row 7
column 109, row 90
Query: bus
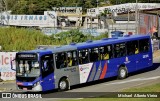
column 63, row 66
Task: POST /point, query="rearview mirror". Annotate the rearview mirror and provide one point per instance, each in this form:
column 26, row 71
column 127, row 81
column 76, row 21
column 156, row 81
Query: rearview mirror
column 13, row 65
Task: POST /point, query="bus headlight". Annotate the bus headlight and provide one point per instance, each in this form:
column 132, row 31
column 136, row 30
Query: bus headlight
column 37, row 86
column 37, row 83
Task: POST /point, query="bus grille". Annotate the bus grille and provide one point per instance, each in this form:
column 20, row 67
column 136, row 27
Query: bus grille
column 27, row 87
column 25, row 79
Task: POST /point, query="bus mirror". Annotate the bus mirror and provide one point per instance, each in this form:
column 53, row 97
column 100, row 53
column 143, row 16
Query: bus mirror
column 13, row 66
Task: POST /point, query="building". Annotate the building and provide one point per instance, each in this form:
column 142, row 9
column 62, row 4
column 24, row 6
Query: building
column 123, row 17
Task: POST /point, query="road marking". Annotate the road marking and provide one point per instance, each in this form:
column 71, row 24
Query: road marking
column 131, row 86
column 138, row 79
column 78, row 98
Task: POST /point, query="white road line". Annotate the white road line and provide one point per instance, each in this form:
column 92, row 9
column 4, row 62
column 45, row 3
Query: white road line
column 78, row 98
column 132, row 86
column 138, row 79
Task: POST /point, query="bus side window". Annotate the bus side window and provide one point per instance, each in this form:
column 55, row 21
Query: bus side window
column 83, row 56
column 132, row 47
column 75, row 60
column 69, row 59
column 122, row 49
column 105, row 52
column 93, row 54
column 61, row 60
column 144, row 45
column 119, row 50
column 116, row 51
column 101, row 53
column 72, row 58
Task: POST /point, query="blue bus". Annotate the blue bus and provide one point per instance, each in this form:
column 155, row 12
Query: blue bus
column 77, row 63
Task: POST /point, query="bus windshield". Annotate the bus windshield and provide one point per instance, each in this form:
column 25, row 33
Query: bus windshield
column 27, row 68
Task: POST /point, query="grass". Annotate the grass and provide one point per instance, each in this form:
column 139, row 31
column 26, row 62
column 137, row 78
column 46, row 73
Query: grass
column 118, row 99
column 151, row 88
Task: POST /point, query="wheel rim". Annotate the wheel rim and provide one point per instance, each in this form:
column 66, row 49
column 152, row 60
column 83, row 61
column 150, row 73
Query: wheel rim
column 123, row 73
column 62, row 85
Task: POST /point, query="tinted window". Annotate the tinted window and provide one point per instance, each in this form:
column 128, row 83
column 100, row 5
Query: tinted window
column 83, row 56
column 132, row 47
column 93, row 54
column 105, row 52
column 61, row 60
column 144, row 45
column 119, row 50
column 72, row 58
column 47, row 64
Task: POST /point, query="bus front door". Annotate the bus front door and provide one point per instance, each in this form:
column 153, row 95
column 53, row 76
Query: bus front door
column 47, row 72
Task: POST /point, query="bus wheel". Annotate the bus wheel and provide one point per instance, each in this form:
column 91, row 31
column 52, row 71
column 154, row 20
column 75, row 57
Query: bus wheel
column 63, row 84
column 122, row 72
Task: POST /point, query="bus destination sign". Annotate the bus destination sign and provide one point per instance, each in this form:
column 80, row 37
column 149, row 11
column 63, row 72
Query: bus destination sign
column 26, row 56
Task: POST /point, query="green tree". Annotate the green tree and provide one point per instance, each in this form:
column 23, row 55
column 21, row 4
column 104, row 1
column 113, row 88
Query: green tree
column 24, row 39
column 71, row 36
column 132, row 1
column 39, row 6
column 10, row 4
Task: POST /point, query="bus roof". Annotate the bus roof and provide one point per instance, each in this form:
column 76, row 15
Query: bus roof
column 88, row 44
column 110, row 41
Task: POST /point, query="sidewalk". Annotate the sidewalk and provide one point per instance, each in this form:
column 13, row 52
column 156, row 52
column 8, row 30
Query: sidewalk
column 7, row 86
column 156, row 54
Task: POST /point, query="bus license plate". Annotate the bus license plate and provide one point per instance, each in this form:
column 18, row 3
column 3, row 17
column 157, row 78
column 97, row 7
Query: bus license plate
column 24, row 88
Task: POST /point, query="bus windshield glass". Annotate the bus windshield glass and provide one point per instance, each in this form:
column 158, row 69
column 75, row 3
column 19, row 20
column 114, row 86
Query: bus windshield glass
column 27, row 65
column 27, row 68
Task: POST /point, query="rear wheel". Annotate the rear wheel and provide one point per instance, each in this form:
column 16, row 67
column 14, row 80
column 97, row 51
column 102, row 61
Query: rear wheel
column 63, row 85
column 122, row 72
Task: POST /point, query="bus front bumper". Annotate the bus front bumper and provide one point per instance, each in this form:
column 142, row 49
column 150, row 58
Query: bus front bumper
column 36, row 88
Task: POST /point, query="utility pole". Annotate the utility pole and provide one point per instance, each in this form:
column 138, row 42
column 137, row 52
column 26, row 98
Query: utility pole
column 128, row 20
column 97, row 15
column 158, row 27
column 136, row 17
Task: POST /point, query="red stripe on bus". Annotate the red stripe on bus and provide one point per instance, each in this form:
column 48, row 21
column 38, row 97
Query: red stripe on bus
column 104, row 71
column 19, row 83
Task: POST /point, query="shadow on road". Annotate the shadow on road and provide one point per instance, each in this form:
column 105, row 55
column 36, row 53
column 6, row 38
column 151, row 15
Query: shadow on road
column 153, row 67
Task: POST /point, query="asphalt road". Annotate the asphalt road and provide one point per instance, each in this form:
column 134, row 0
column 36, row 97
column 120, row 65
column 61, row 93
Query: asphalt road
column 143, row 78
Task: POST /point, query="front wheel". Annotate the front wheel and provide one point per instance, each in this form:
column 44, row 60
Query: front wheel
column 122, row 73
column 63, row 85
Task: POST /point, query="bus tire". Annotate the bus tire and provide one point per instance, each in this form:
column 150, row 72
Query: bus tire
column 122, row 72
column 63, row 84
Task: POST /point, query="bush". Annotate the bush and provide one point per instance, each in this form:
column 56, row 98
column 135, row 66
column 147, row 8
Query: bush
column 19, row 39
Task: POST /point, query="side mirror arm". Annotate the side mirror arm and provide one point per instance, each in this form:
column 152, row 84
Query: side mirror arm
column 12, row 65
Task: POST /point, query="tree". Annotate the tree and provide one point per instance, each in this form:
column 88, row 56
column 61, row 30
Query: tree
column 71, row 36
column 131, row 1
column 20, row 7
column 10, row 4
column 39, row 6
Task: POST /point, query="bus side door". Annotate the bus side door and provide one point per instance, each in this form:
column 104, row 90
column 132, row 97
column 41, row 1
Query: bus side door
column 47, row 64
column 132, row 55
column 144, row 58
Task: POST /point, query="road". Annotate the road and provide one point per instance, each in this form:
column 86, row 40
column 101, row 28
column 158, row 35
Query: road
column 141, row 79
